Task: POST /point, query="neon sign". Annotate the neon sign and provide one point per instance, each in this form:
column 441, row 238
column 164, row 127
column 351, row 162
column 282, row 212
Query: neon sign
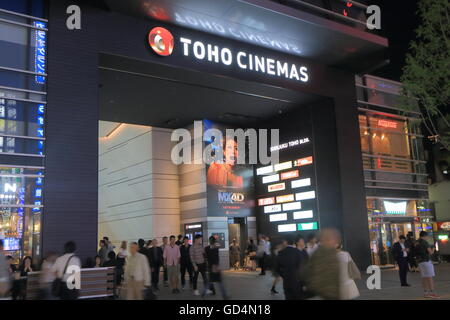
column 387, row 124
column 40, row 51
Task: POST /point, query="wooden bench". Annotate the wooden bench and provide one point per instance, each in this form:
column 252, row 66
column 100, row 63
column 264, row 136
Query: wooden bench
column 96, row 283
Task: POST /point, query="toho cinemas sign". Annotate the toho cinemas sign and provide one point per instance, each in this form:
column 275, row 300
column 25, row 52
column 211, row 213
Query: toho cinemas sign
column 197, row 50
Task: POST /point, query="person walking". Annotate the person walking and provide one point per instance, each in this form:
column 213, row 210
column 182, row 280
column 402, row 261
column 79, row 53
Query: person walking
column 185, row 263
column 311, row 244
column 348, row 273
column 165, row 241
column 235, row 255
column 103, row 251
column 47, row 277
column 109, row 246
column 156, row 261
column 262, row 253
column 215, row 274
column 121, row 259
column 5, row 277
column 410, row 244
column 197, row 255
column 423, row 254
column 322, row 270
column 274, row 266
column 172, row 262
column 64, row 263
column 400, row 252
column 179, row 241
column 137, row 273
column 251, row 254
column 289, row 262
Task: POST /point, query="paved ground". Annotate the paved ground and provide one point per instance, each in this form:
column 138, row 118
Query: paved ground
column 249, row 285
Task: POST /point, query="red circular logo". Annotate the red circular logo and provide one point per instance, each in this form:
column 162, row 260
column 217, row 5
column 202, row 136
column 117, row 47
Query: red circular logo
column 161, row 41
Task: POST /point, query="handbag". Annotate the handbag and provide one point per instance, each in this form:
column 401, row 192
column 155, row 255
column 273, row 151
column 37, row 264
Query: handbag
column 353, row 270
column 57, row 284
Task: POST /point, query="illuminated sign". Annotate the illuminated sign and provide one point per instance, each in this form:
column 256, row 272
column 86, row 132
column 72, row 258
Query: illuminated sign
column 244, row 60
column 230, row 197
column 289, row 144
column 287, row 227
column 193, row 226
column 292, row 206
column 264, row 170
column 307, row 214
column 303, row 161
column 300, row 183
column 272, row 178
column 10, row 187
column 283, row 166
column 272, row 208
column 387, row 124
column 265, row 201
column 444, row 225
column 161, row 41
column 285, row 198
column 276, row 187
column 305, row 195
column 289, row 175
column 443, row 237
column 40, row 51
column 307, row 226
column 278, row 217
column 395, row 207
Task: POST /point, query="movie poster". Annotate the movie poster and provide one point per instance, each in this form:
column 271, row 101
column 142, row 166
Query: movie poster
column 230, row 189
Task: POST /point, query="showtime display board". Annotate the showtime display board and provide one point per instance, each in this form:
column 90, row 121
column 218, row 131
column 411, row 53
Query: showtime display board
column 286, row 195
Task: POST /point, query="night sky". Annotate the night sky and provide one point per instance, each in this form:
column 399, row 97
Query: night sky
column 398, row 22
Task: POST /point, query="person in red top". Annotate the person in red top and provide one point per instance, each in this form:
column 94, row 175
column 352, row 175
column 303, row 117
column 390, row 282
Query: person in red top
column 221, row 174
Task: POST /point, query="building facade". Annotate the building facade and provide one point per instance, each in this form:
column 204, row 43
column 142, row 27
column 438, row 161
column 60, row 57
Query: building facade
column 248, row 68
column 395, row 174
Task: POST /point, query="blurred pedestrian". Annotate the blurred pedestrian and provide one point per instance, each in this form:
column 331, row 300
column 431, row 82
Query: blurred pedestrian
column 400, row 252
column 311, row 244
column 185, row 263
column 109, row 246
column 198, row 259
column 289, row 262
column 423, row 253
column 274, row 266
column 47, row 277
column 251, row 254
column 142, row 248
column 25, row 267
column 322, row 270
column 262, row 253
column 235, row 254
column 179, row 241
column 137, row 273
column 98, row 261
column 165, row 241
column 215, row 274
column 172, row 257
column 103, row 252
column 410, row 244
column 348, row 273
column 156, row 261
column 62, row 264
column 5, row 276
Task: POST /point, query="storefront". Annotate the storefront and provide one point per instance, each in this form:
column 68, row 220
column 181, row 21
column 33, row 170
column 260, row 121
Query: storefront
column 119, row 76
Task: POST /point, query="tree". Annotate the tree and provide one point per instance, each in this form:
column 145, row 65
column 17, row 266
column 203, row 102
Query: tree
column 426, row 75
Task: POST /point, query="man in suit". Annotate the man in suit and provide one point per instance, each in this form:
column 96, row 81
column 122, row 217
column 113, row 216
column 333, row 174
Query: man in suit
column 289, row 261
column 155, row 257
column 400, row 253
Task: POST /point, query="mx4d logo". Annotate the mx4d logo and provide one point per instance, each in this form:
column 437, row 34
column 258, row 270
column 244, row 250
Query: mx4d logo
column 161, row 41
column 230, row 197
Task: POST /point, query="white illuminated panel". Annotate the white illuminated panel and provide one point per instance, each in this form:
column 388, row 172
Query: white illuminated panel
column 283, row 166
column 276, row 187
column 305, row 195
column 395, row 207
column 274, row 208
column 272, row 178
column 307, row 214
column 287, row 227
column 278, row 217
column 264, row 170
column 300, row 183
column 292, row 206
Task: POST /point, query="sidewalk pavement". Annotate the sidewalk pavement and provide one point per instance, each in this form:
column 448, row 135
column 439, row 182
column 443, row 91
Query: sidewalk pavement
column 242, row 285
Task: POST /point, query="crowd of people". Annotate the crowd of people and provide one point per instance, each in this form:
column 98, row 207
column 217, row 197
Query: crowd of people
column 311, row 268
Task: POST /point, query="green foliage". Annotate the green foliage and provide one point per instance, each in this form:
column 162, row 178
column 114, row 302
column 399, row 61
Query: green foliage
column 426, row 75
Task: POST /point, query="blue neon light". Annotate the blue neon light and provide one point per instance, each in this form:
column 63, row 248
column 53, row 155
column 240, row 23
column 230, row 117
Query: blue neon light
column 40, row 51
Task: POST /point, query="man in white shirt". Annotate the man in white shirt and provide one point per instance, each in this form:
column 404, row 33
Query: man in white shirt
column 64, row 267
column 137, row 273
